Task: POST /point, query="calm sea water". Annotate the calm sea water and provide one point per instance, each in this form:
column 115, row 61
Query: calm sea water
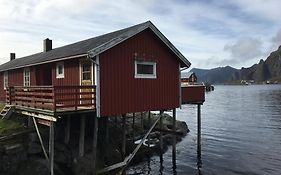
column 241, row 135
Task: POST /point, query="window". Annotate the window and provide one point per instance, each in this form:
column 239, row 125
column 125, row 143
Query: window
column 26, row 77
column 6, row 80
column 86, row 71
column 145, row 69
column 60, row 70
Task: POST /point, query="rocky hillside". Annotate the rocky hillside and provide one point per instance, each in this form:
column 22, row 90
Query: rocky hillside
column 217, row 75
column 268, row 70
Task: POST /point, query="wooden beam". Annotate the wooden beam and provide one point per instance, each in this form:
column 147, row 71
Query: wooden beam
column 149, row 123
column 95, row 140
column 133, row 127
column 82, row 136
column 51, row 147
column 174, row 140
column 40, row 139
column 123, row 136
column 141, row 121
column 199, row 163
column 67, row 130
column 161, row 134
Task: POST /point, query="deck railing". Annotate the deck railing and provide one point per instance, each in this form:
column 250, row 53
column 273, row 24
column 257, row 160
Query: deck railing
column 53, row 98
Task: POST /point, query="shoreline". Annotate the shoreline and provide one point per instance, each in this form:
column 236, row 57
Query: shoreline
column 24, row 154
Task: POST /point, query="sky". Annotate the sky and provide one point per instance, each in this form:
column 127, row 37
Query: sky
column 209, row 33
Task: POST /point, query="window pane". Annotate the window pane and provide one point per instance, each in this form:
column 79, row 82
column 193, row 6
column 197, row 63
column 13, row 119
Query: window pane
column 60, row 69
column 86, row 67
column 144, row 69
column 86, row 76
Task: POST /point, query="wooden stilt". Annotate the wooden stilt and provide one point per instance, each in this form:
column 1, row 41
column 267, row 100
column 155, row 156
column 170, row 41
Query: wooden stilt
column 51, row 147
column 161, row 134
column 67, row 130
column 29, row 122
column 133, row 127
column 199, row 163
column 149, row 123
column 40, row 139
column 95, row 140
column 82, row 136
column 142, row 121
column 174, row 139
column 123, row 136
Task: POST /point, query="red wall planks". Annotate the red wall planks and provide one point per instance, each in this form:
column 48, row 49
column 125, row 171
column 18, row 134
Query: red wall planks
column 122, row 93
column 71, row 73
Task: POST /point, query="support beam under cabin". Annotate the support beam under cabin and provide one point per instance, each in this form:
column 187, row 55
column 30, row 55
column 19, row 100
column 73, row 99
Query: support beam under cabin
column 149, row 123
column 82, row 136
column 123, row 136
column 174, row 139
column 51, row 147
column 133, row 127
column 161, row 134
column 95, row 139
column 199, row 163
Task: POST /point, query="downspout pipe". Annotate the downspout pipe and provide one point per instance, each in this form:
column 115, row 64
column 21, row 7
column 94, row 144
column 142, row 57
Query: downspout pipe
column 95, row 60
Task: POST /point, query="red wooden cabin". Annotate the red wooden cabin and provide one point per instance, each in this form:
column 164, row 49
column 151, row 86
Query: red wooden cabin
column 131, row 70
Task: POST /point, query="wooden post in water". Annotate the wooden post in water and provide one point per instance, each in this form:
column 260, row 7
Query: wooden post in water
column 123, row 136
column 82, row 136
column 174, row 139
column 199, row 163
column 141, row 121
column 149, row 123
column 161, row 134
column 51, row 147
column 95, row 140
column 133, row 127
column 67, row 130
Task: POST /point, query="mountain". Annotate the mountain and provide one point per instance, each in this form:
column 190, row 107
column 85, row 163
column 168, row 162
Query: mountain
column 268, row 70
column 217, row 75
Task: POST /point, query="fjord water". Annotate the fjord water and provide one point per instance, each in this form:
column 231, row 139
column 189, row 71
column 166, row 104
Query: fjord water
column 241, row 135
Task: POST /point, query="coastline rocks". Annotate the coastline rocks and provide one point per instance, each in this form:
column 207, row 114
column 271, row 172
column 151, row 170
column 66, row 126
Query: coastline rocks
column 24, row 154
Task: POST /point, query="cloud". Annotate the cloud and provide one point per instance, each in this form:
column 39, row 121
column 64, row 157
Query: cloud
column 276, row 40
column 245, row 48
column 202, row 30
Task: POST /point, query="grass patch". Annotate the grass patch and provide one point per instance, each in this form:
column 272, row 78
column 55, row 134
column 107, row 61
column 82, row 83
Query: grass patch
column 9, row 126
column 2, row 105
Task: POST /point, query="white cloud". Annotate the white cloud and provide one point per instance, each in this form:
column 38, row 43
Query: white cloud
column 276, row 40
column 245, row 49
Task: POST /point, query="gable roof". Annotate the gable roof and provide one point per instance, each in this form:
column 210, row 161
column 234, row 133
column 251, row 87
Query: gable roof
column 186, row 74
column 90, row 47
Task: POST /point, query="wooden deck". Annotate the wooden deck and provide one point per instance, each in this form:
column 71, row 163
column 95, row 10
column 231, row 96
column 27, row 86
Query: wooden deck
column 52, row 100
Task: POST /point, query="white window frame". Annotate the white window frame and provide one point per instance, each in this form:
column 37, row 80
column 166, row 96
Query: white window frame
column 5, row 79
column 59, row 75
column 26, row 77
column 150, row 76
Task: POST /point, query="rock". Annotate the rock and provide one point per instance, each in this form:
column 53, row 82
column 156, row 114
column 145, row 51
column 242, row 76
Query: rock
column 34, row 148
column 13, row 148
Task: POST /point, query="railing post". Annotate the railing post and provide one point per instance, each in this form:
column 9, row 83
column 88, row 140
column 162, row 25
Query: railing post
column 54, row 99
column 76, row 97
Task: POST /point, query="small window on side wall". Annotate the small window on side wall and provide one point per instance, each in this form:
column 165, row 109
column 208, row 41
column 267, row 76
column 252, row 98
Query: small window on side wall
column 60, row 70
column 26, row 77
column 145, row 69
column 5, row 81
